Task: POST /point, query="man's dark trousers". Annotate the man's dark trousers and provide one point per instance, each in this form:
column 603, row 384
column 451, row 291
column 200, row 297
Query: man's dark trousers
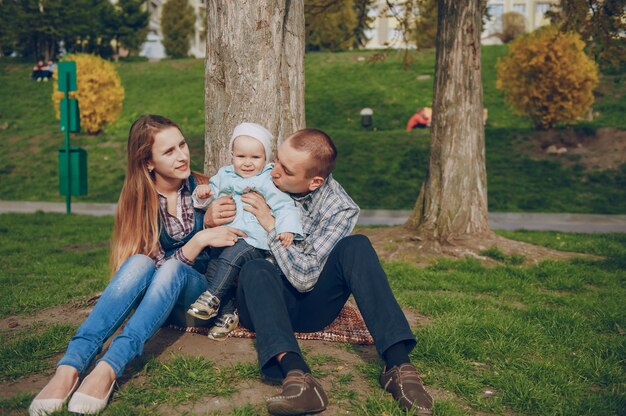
column 271, row 307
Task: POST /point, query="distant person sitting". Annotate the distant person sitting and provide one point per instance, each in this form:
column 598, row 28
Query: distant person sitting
column 50, row 67
column 421, row 119
column 41, row 72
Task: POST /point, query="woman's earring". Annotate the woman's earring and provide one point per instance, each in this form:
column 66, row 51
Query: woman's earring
column 150, row 169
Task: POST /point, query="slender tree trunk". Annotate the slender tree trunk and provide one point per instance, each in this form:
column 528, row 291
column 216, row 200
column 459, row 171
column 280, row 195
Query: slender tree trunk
column 254, row 71
column 453, row 200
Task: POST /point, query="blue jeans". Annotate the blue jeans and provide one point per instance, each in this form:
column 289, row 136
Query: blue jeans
column 223, row 271
column 139, row 285
column 271, row 307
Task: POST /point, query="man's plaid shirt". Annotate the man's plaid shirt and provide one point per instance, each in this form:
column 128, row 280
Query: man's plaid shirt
column 328, row 215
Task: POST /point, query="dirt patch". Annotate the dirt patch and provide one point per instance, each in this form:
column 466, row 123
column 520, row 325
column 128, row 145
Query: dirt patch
column 85, row 247
column 599, row 150
column 228, row 352
column 401, row 244
column 72, row 314
column 392, row 243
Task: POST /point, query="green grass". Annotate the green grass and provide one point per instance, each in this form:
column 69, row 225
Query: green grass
column 51, row 259
column 20, row 401
column 548, row 339
column 381, row 168
column 495, row 254
column 545, row 338
column 28, row 350
column 181, row 379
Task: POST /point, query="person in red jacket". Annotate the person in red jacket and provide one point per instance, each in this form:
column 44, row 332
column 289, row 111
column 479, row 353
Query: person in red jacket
column 421, row 119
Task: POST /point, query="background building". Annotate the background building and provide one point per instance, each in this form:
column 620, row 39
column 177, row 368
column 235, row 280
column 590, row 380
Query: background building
column 198, row 42
column 386, row 32
column 153, row 47
column 532, row 10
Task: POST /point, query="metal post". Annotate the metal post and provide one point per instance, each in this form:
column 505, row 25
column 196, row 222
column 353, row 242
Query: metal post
column 68, row 196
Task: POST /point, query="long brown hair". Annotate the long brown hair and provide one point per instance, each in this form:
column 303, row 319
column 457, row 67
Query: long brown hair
column 136, row 229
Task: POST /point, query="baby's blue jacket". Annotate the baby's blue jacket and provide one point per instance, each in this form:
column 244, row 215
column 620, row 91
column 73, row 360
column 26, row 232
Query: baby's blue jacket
column 284, row 209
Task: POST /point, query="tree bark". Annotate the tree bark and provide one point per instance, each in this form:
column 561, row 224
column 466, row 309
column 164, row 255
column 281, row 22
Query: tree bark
column 452, row 203
column 254, row 71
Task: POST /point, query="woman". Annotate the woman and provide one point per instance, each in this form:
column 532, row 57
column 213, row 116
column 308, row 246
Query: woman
column 158, row 258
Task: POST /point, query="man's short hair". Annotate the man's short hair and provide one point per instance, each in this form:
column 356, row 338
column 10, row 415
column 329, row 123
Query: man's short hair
column 321, row 148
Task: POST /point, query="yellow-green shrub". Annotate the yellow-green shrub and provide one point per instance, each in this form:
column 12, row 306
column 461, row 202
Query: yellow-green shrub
column 513, row 25
column 547, row 76
column 100, row 93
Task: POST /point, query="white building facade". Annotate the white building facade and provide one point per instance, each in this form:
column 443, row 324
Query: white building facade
column 386, row 31
column 534, row 12
column 153, row 47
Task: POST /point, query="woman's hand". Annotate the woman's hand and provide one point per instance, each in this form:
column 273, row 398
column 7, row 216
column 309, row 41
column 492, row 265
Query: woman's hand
column 221, row 211
column 255, row 204
column 211, row 237
column 221, row 236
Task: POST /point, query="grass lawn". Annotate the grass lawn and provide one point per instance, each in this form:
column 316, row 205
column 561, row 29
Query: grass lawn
column 515, row 338
column 381, row 168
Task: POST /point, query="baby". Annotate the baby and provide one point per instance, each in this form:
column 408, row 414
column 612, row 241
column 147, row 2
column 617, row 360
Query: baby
column 251, row 147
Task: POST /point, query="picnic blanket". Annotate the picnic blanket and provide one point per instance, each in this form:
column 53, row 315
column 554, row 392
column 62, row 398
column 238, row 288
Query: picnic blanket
column 348, row 327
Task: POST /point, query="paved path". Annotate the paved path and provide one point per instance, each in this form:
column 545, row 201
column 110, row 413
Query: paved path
column 584, row 223
column 581, row 223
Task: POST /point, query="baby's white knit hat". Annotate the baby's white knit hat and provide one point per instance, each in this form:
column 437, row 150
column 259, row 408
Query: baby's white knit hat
column 256, row 131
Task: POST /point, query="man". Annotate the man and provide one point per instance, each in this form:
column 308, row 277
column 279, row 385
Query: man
column 307, row 284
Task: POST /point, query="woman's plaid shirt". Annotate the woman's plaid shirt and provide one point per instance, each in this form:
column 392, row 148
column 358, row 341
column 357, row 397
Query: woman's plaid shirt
column 177, row 226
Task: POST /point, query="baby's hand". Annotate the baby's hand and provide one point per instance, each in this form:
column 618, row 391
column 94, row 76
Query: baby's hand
column 285, row 239
column 203, row 191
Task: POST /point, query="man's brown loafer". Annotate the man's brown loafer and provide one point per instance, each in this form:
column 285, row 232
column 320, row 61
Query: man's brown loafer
column 406, row 386
column 302, row 394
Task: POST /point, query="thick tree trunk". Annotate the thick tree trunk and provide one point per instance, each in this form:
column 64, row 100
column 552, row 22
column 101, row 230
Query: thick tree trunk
column 452, row 203
column 254, row 71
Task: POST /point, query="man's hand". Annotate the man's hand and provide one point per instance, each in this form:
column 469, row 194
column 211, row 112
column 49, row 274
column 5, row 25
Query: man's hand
column 285, row 239
column 255, row 204
column 220, row 212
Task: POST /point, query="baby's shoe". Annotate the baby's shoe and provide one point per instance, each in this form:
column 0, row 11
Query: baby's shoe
column 224, row 325
column 205, row 307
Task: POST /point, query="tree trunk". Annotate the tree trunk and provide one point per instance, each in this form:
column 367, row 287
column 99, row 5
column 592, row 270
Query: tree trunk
column 452, row 203
column 254, row 71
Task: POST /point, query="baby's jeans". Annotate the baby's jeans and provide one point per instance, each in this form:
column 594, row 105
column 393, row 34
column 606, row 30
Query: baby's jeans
column 223, row 271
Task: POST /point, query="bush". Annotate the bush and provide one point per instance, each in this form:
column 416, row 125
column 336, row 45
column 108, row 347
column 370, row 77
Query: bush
column 426, row 24
column 329, row 25
column 177, row 22
column 513, row 25
column 547, row 76
column 100, row 93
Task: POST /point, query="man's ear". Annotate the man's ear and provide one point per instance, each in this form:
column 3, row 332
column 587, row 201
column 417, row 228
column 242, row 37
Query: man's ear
column 315, row 183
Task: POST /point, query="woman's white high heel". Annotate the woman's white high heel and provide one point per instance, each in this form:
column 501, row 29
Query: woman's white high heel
column 43, row 407
column 88, row 405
